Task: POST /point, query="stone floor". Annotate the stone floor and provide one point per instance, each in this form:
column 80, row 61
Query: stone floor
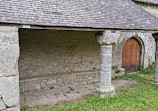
column 56, row 96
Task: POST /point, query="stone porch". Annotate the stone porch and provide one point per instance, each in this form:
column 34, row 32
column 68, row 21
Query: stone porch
column 9, row 73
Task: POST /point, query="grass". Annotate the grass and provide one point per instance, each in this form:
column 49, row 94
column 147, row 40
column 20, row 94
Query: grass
column 148, row 71
column 140, row 97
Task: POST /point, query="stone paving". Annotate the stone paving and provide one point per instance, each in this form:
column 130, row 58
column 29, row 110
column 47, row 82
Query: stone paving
column 56, row 96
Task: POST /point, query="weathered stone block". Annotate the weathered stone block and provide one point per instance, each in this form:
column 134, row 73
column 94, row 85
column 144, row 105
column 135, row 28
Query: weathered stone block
column 69, row 78
column 2, row 105
column 84, row 83
column 9, row 34
column 38, row 86
column 10, row 50
column 51, row 82
column 44, row 85
column 11, row 38
column 9, row 59
column 90, row 82
column 80, row 77
column 22, row 88
column 91, row 78
column 9, row 87
column 31, row 87
column 8, row 29
column 96, row 76
column 13, row 109
column 59, row 80
column 96, row 80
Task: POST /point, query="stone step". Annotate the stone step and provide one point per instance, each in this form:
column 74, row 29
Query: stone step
column 122, row 69
column 121, row 73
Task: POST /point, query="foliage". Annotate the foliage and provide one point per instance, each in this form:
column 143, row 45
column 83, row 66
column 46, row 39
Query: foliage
column 149, row 70
column 24, row 109
column 114, row 67
column 117, row 71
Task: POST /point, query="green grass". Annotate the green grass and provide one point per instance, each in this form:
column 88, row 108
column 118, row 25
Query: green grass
column 149, row 70
column 140, row 97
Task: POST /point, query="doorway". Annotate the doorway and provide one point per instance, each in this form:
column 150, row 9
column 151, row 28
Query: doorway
column 131, row 55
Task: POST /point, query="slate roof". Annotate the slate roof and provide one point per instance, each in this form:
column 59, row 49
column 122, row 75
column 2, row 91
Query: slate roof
column 148, row 1
column 117, row 14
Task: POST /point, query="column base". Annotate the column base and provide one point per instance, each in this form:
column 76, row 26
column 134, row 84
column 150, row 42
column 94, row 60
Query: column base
column 105, row 91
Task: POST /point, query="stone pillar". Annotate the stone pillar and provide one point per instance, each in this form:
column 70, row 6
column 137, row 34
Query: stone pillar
column 155, row 79
column 106, row 39
column 9, row 76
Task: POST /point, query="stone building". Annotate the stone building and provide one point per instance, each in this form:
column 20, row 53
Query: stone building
column 61, row 42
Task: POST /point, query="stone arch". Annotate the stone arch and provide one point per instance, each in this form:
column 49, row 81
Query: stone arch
column 131, row 61
column 143, row 39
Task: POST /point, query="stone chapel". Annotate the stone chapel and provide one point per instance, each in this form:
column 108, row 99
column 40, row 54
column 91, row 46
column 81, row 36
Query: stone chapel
column 45, row 43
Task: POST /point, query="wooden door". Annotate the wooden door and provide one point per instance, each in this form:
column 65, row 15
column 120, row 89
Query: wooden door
column 131, row 55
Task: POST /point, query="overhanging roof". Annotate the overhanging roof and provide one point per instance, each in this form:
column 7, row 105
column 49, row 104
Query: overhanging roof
column 117, row 14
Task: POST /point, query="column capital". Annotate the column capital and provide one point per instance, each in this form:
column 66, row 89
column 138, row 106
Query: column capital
column 108, row 37
column 155, row 35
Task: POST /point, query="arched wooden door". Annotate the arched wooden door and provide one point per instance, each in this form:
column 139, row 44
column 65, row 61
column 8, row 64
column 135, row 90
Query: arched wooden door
column 131, row 55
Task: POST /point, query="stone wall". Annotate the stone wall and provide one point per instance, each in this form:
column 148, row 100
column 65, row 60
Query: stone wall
column 47, row 53
column 80, row 78
column 55, row 58
column 148, row 47
column 9, row 76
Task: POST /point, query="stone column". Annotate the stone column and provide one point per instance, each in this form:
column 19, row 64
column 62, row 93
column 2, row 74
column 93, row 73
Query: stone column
column 106, row 39
column 155, row 79
column 9, row 76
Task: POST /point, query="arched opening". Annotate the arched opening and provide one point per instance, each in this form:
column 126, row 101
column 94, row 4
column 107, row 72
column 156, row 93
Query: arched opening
column 132, row 55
